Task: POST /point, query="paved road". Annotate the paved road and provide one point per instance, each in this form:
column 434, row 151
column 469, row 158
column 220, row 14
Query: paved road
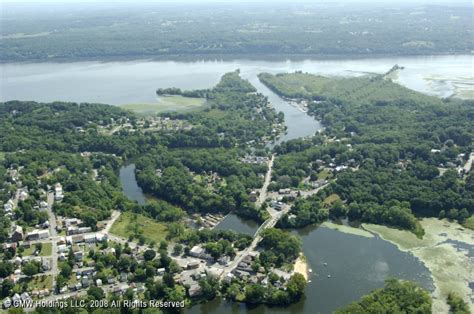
column 268, row 178
column 53, row 237
column 115, row 215
column 468, row 165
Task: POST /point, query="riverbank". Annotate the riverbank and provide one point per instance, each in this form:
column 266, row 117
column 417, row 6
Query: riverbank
column 301, row 266
column 446, row 250
column 348, row 229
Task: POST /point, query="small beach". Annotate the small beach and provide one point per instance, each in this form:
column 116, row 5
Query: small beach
column 301, row 266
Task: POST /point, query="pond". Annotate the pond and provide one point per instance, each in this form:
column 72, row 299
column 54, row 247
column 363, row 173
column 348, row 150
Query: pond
column 129, row 184
column 238, row 224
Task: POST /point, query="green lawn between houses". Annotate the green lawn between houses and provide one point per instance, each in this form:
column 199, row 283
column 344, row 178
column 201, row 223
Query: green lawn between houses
column 127, row 224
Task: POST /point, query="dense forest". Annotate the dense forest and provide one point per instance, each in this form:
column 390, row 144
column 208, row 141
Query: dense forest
column 230, row 30
column 396, row 297
column 402, row 150
column 238, row 115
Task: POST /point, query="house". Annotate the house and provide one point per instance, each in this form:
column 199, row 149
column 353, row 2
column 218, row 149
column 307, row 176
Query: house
column 58, row 192
column 140, row 287
column 228, row 278
column 7, row 302
column 62, row 248
column 195, row 290
column 85, row 282
column 17, row 234
column 16, row 298
column 72, row 222
column 98, row 282
column 8, row 206
column 197, row 251
column 253, row 196
column 23, row 195
column 87, row 272
column 46, row 264
column 89, row 238
column 77, row 239
column 37, row 235
column 100, row 237
column 214, row 272
column 224, row 260
column 123, row 276
column 278, row 205
column 79, row 255
column 193, row 265
column 25, row 297
column 43, row 206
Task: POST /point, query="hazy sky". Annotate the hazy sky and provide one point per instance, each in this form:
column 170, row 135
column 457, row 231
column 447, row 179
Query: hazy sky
column 414, row 2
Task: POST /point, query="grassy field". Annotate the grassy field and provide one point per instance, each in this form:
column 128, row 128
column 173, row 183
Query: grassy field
column 130, row 224
column 40, row 282
column 46, row 250
column 331, row 199
column 2, row 156
column 167, row 103
column 324, row 174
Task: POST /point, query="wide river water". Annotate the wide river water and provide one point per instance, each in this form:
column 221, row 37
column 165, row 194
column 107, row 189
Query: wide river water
column 356, row 264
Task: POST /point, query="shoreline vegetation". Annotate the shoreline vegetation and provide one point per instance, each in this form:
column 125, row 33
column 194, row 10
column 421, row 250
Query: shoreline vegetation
column 348, row 229
column 444, row 250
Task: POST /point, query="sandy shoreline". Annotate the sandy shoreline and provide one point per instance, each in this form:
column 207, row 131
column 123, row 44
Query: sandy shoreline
column 301, row 266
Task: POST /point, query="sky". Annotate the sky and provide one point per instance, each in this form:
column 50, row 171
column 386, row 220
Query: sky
column 235, row 1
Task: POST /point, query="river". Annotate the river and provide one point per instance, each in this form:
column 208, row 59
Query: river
column 356, row 264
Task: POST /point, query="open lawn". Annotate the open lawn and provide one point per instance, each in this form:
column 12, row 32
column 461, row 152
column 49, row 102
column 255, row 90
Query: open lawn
column 331, row 199
column 167, row 103
column 2, row 156
column 131, row 224
column 46, row 250
column 40, row 283
column 324, row 174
